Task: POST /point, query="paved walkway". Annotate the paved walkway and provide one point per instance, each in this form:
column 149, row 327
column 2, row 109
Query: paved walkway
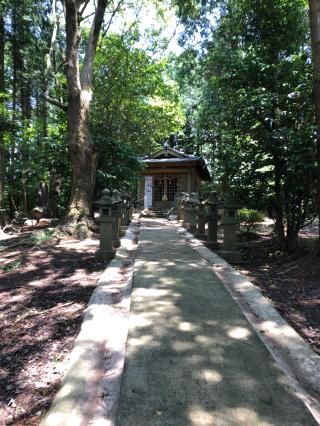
column 192, row 357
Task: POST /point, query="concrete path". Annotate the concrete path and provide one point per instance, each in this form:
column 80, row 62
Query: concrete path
column 192, row 357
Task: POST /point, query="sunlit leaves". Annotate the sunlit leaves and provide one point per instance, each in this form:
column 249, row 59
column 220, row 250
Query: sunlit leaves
column 255, row 98
column 136, row 106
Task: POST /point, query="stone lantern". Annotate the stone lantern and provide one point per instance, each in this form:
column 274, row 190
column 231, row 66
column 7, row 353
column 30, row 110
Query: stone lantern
column 201, row 220
column 105, row 205
column 183, row 196
column 117, row 213
column 186, row 210
column 213, row 205
column 125, row 197
column 193, row 204
column 177, row 204
column 230, row 225
column 230, row 222
column 130, row 206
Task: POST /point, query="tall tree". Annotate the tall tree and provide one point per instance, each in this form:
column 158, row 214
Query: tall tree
column 2, row 88
column 314, row 15
column 81, row 148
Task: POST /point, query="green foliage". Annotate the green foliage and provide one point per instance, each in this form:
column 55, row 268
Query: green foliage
column 11, row 265
column 249, row 219
column 255, row 106
column 32, row 134
column 240, row 94
column 136, row 106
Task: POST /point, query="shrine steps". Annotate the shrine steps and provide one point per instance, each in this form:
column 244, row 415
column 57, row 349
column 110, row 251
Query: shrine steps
column 154, row 213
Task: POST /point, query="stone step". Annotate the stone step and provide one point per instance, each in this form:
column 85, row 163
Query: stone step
column 154, row 213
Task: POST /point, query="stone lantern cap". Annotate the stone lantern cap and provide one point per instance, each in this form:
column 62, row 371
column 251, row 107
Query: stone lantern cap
column 116, row 197
column 124, row 195
column 213, row 199
column 184, row 197
column 230, row 202
column 194, row 199
column 105, row 204
column 105, row 200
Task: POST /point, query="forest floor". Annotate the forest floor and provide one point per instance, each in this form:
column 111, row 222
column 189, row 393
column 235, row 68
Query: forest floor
column 290, row 281
column 46, row 282
column 45, row 285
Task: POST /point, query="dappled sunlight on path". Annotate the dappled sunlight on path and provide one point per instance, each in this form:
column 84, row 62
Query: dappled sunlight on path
column 192, row 357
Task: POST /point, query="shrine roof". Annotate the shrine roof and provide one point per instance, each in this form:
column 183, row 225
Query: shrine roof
column 169, row 160
column 169, row 155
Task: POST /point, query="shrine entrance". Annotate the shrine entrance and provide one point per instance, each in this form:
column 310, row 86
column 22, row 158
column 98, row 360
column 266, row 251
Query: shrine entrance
column 165, row 190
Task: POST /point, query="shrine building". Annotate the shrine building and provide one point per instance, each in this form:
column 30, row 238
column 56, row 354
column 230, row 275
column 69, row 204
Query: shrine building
column 167, row 172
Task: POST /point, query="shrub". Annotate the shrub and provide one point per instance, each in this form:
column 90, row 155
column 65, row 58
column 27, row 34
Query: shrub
column 249, row 219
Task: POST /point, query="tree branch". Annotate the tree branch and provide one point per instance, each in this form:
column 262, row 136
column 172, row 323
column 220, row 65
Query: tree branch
column 55, row 102
column 85, row 4
column 86, row 76
column 54, row 21
column 105, row 31
column 86, row 17
column 72, row 41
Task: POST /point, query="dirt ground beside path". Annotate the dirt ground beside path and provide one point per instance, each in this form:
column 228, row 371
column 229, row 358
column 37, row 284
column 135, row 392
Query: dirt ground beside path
column 291, row 281
column 42, row 304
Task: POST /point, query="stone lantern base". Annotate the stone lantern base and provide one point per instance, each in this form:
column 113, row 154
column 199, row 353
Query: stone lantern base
column 233, row 256
column 213, row 245
column 123, row 230
column 201, row 236
column 105, row 254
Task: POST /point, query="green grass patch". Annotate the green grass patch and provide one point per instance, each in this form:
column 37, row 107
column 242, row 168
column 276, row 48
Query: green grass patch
column 43, row 236
column 11, row 265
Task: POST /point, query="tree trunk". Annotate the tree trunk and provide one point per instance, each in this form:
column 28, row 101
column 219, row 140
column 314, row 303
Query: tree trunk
column 82, row 153
column 2, row 88
column 54, row 194
column 83, row 159
column 25, row 95
column 314, row 15
column 13, row 205
column 292, row 237
column 279, row 225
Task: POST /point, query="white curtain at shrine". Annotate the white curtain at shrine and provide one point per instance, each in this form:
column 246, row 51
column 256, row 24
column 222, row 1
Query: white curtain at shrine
column 148, row 183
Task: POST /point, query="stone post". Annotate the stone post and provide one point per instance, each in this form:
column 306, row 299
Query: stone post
column 193, row 202
column 116, row 212
column 181, row 203
column 213, row 204
column 230, row 225
column 130, row 206
column 125, row 197
column 201, row 219
column 186, row 211
column 177, row 204
column 105, row 251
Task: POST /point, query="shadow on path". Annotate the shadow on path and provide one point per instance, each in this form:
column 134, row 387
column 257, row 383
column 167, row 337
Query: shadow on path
column 192, row 357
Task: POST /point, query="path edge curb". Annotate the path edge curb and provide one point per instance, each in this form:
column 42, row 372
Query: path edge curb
column 282, row 341
column 90, row 390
